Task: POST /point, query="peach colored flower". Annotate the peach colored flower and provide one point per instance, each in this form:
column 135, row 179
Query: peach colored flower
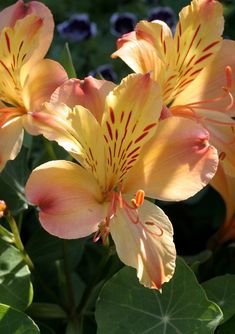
column 125, row 154
column 27, row 79
column 195, row 69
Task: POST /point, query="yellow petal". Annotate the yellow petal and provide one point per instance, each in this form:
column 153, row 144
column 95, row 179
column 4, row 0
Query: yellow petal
column 176, row 163
column 77, row 131
column 16, row 47
column 130, row 119
column 147, row 246
column 11, row 137
column 89, row 93
column 197, row 39
column 69, row 199
column 41, row 82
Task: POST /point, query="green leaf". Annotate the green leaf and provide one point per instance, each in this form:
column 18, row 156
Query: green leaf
column 125, row 306
column 15, row 322
column 227, row 327
column 45, row 248
column 221, row 290
column 12, row 181
column 15, row 286
column 67, row 62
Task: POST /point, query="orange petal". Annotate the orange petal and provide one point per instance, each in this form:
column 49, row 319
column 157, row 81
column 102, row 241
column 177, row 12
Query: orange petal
column 210, row 82
column 176, row 163
column 147, row 246
column 11, row 137
column 132, row 111
column 90, row 93
column 41, row 82
column 69, row 199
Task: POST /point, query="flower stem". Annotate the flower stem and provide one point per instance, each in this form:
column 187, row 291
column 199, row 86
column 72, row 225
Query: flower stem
column 18, row 242
column 50, row 150
column 72, row 304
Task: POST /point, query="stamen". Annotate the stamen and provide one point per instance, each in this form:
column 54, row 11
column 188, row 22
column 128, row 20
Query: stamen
column 139, row 199
column 131, row 211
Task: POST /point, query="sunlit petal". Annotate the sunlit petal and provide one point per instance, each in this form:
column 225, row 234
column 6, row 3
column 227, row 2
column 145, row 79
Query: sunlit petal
column 210, row 82
column 130, row 118
column 68, row 198
column 11, row 137
column 176, row 163
column 147, row 246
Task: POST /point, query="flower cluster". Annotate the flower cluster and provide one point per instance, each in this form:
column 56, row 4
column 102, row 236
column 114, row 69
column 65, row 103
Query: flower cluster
column 164, row 132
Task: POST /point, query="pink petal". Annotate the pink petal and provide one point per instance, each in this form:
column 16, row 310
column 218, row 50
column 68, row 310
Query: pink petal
column 69, row 199
column 41, row 82
column 147, row 247
column 90, row 93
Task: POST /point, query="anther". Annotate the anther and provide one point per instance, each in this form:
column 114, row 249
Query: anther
column 139, row 199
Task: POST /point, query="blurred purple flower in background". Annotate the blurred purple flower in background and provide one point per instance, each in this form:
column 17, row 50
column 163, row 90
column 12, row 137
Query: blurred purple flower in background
column 121, row 23
column 165, row 14
column 105, row 71
column 77, row 28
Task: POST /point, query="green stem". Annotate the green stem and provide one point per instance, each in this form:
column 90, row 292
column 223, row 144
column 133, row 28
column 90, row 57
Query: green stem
column 88, row 293
column 18, row 242
column 50, row 149
column 72, row 304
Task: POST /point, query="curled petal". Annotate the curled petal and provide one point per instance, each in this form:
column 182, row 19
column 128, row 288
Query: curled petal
column 11, row 137
column 68, row 198
column 89, row 93
column 176, row 163
column 147, row 246
column 138, row 54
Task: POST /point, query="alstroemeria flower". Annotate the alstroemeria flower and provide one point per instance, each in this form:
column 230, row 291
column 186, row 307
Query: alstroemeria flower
column 124, row 155
column 27, row 79
column 194, row 69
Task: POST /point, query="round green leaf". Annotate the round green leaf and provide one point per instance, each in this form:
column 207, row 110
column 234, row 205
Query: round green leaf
column 221, row 290
column 125, row 306
column 227, row 327
column 16, row 322
column 15, row 286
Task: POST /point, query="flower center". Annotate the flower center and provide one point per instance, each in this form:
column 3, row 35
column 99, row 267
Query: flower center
column 131, row 212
